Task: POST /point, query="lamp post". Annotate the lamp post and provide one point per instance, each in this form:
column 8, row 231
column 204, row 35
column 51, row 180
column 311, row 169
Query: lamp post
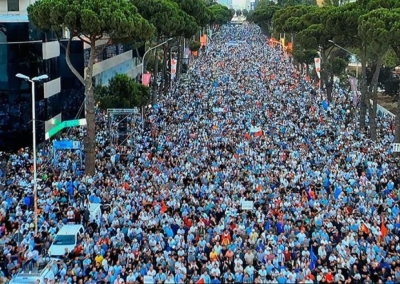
column 143, row 61
column 349, row 52
column 150, row 49
column 35, row 195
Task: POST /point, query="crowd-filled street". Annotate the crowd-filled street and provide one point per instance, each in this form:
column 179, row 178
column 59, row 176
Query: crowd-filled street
column 246, row 175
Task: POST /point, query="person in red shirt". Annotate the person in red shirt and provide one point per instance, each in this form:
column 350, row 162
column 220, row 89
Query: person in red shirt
column 226, row 238
column 329, row 277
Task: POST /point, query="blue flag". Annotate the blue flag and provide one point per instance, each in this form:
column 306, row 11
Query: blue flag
column 268, row 225
column 338, row 191
column 313, row 259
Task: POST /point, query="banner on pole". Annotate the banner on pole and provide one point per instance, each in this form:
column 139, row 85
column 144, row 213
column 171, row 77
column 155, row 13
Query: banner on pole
column 203, row 40
column 186, row 53
column 173, row 68
column 353, row 85
column 146, row 79
column 317, row 62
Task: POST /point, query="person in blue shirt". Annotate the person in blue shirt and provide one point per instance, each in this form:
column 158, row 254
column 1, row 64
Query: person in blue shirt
column 215, row 280
column 206, row 277
column 281, row 279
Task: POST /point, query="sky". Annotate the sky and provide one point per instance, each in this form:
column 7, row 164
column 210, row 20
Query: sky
column 238, row 4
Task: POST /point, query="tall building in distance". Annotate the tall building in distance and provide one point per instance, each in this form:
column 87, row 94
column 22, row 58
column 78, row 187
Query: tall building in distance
column 26, row 50
column 227, row 3
column 253, row 4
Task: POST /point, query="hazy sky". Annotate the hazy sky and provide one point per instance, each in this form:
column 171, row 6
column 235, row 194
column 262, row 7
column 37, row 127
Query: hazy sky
column 239, row 4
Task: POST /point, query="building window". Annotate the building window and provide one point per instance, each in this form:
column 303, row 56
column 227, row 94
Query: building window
column 13, row 5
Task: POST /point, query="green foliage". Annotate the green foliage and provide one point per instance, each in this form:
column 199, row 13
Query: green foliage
column 122, row 92
column 391, row 60
column 285, row 3
column 316, row 34
column 194, row 45
column 330, row 3
column 92, row 19
column 220, row 14
column 190, row 26
column 197, row 9
column 238, row 12
column 304, row 55
column 163, row 14
column 290, row 18
column 245, row 12
column 209, row 3
column 265, row 15
column 375, row 28
column 338, row 65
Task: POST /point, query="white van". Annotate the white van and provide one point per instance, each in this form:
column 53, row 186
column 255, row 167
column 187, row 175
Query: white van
column 94, row 212
column 67, row 237
column 40, row 272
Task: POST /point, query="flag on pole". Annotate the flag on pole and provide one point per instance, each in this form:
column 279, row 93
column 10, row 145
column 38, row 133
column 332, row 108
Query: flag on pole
column 384, row 230
column 313, row 259
column 338, row 191
column 164, row 207
column 317, row 62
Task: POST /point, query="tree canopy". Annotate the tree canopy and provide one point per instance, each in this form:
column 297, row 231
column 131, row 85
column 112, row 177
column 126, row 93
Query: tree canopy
column 91, row 20
column 220, row 14
column 165, row 15
column 197, row 9
column 122, row 92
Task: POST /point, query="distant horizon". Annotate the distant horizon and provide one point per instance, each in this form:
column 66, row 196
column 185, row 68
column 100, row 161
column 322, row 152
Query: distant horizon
column 236, row 4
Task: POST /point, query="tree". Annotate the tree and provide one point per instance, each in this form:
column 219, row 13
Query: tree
column 329, row 3
column 395, row 45
column 197, row 9
column 238, row 12
column 374, row 28
column 90, row 21
column 318, row 36
column 194, row 46
column 122, row 92
column 342, row 23
column 197, row 15
column 163, row 14
column 220, row 15
column 263, row 17
column 289, row 19
column 168, row 20
column 245, row 12
column 304, row 56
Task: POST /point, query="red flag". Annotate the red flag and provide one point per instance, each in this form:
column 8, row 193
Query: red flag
column 164, row 207
column 384, row 230
column 247, row 136
column 200, row 281
column 364, row 229
column 258, row 133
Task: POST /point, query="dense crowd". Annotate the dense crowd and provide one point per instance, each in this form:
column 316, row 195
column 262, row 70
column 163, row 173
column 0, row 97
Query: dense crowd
column 243, row 175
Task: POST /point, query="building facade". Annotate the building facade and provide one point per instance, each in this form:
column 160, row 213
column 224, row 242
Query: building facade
column 227, row 3
column 24, row 49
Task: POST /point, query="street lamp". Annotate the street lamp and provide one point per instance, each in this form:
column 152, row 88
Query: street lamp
column 150, row 49
column 144, row 57
column 35, row 195
column 349, row 52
